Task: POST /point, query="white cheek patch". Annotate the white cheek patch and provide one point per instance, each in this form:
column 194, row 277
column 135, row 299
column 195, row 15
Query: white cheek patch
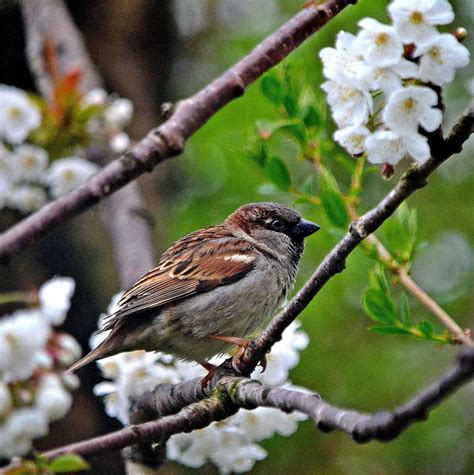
column 239, row 258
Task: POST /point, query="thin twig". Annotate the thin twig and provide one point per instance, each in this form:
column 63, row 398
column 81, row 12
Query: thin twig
column 419, row 293
column 169, row 138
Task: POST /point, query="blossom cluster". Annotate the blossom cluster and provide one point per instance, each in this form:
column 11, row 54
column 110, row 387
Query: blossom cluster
column 28, row 173
column 229, row 444
column 34, row 387
column 382, row 81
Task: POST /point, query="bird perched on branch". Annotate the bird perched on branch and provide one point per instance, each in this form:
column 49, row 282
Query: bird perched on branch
column 211, row 288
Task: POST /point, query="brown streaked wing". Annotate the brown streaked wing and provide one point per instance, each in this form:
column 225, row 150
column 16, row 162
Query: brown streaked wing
column 197, row 263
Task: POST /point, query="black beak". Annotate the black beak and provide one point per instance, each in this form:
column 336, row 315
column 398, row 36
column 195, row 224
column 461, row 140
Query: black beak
column 305, row 228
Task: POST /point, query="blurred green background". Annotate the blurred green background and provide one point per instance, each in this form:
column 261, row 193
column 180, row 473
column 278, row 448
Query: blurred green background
column 151, row 51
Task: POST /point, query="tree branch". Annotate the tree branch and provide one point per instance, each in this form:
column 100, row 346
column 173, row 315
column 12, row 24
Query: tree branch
column 168, row 139
column 382, row 426
column 233, row 393
column 334, row 262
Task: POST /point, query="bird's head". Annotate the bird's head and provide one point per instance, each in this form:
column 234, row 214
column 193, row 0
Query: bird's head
column 273, row 224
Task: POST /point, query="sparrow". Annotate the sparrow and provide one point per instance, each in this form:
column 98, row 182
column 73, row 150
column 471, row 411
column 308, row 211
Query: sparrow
column 211, row 288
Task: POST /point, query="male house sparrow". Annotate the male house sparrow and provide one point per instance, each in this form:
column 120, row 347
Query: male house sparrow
column 211, row 288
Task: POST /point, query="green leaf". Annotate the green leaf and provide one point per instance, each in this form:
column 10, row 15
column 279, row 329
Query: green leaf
column 68, row 463
column 308, row 185
column 404, row 309
column 412, row 225
column 310, row 117
column 272, row 88
column 378, row 280
column 291, row 106
column 398, row 240
column 379, row 306
column 258, row 155
column 335, row 208
column 269, row 127
column 389, row 329
column 426, row 328
column 296, row 131
column 278, row 172
column 329, row 181
column 403, row 214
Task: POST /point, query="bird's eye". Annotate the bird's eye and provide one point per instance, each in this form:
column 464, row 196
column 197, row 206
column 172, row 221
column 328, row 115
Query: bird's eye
column 277, row 225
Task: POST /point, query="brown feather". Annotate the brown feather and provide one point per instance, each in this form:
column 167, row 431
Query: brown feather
column 186, row 269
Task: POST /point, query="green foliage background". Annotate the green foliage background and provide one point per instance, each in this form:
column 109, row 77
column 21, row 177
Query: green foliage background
column 345, row 363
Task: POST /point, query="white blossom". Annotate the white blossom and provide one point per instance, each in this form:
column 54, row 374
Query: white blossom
column 135, row 373
column 388, row 79
column 66, row 174
column 51, row 397
column 341, row 64
column 22, row 336
column 234, row 454
column 411, row 107
column 193, row 449
column 415, row 19
column 18, row 115
column 68, row 349
column 95, row 97
column 386, row 147
column 265, row 422
column 379, row 44
column 55, row 298
column 351, row 105
column 26, row 198
column 440, row 57
column 119, row 113
column 31, row 361
column 119, row 142
column 29, row 162
column 17, row 432
column 352, row 138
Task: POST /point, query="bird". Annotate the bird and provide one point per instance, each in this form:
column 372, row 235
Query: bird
column 211, row 289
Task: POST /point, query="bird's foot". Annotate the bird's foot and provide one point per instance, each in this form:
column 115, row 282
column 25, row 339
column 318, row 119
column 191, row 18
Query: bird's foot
column 211, row 371
column 242, row 344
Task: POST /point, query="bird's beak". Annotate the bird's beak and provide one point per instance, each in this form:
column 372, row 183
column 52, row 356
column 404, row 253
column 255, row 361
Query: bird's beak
column 305, row 228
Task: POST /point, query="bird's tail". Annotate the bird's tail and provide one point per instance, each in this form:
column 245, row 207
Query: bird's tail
column 103, row 350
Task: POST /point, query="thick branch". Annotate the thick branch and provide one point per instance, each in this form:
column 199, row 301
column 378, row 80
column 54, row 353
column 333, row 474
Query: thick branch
column 195, row 416
column 123, row 211
column 382, row 426
column 233, row 393
column 334, row 262
column 168, row 139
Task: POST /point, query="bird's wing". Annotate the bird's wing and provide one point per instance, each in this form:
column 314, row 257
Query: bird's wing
column 197, row 263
